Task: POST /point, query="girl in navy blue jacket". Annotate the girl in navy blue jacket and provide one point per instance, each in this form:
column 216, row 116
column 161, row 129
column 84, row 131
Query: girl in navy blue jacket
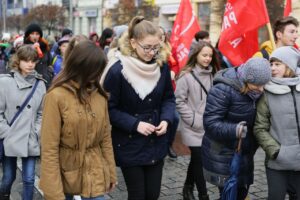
column 231, row 107
column 141, row 108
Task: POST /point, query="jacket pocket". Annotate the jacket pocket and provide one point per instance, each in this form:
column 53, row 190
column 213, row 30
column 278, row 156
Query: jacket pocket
column 72, row 181
column 287, row 159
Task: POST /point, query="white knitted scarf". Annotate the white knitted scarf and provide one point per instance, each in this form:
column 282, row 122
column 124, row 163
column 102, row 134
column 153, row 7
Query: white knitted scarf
column 142, row 77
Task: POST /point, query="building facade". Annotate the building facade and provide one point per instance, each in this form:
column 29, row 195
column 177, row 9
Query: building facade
column 169, row 8
column 87, row 16
column 18, row 7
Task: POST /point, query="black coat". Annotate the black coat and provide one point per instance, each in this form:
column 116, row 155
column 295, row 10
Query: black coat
column 126, row 110
column 225, row 108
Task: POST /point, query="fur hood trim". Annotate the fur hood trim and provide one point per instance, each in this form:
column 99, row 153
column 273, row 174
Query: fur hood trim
column 127, row 50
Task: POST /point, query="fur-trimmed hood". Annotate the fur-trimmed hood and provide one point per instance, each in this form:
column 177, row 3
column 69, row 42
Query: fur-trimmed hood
column 127, row 50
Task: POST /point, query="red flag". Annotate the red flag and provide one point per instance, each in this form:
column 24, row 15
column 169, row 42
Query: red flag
column 239, row 35
column 184, row 29
column 288, row 8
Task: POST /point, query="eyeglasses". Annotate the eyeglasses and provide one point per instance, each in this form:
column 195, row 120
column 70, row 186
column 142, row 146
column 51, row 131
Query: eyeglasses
column 149, row 49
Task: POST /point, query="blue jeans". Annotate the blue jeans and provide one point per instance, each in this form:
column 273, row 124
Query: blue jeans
column 9, row 167
column 70, row 197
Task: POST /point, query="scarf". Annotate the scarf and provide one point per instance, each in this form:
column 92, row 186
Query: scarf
column 282, row 85
column 287, row 81
column 142, row 77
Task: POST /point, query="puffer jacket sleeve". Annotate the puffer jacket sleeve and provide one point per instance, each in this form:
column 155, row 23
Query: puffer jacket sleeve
column 168, row 100
column 106, row 147
column 262, row 129
column 113, row 85
column 50, row 180
column 185, row 111
column 217, row 107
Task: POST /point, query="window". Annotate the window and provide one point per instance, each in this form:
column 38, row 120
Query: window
column 92, row 24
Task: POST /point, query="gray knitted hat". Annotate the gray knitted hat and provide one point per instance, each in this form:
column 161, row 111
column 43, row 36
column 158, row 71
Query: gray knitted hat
column 287, row 55
column 256, row 71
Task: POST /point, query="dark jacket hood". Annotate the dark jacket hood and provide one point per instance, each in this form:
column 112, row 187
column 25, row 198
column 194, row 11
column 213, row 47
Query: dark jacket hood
column 229, row 77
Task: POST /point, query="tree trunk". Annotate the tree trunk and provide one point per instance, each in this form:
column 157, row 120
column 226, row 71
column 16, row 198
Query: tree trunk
column 216, row 18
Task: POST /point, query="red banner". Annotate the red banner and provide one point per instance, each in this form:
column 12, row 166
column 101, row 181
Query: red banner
column 184, row 29
column 239, row 35
column 288, row 8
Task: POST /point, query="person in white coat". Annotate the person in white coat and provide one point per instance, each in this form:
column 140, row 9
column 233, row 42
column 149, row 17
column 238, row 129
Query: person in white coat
column 22, row 138
column 194, row 82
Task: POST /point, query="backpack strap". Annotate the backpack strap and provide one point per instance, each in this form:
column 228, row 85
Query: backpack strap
column 196, row 78
column 54, row 60
column 25, row 102
column 265, row 54
column 12, row 74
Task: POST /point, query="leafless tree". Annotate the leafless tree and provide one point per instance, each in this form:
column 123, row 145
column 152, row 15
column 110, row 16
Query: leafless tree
column 15, row 22
column 126, row 10
column 49, row 17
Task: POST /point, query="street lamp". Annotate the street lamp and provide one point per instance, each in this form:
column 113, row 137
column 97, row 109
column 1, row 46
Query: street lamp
column 4, row 14
column 71, row 13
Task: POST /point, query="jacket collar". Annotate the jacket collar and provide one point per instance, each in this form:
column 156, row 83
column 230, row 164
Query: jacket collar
column 73, row 86
column 198, row 70
column 275, row 88
column 25, row 82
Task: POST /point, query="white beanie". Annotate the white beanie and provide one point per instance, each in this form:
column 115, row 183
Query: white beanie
column 6, row 36
column 18, row 42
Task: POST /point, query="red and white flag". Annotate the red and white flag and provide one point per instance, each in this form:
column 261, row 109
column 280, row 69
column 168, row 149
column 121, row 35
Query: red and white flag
column 183, row 32
column 288, row 8
column 239, row 35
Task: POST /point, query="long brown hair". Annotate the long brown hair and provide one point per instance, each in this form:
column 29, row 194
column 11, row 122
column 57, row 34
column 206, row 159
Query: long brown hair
column 84, row 65
column 192, row 60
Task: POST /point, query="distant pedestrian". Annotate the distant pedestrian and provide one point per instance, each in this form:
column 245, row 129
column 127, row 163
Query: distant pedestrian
column 65, row 32
column 58, row 59
column 34, row 36
column 77, row 153
column 200, row 36
column 114, row 45
column 193, row 84
column 277, row 124
column 230, row 107
column 285, row 31
column 106, row 38
column 141, row 108
column 21, row 133
column 94, row 38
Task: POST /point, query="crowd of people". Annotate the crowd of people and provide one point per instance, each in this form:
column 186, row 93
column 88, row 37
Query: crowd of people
column 85, row 105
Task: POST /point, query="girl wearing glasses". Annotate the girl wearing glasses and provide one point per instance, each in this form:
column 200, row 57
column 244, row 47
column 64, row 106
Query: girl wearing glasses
column 141, row 108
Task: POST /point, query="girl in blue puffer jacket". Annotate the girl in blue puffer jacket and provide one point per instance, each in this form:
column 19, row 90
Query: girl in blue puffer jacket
column 231, row 106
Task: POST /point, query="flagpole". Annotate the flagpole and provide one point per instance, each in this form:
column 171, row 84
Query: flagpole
column 271, row 36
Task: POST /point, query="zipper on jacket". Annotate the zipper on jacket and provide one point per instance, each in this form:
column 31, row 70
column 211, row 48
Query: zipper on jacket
column 296, row 111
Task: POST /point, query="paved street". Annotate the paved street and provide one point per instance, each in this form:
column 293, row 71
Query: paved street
column 173, row 179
